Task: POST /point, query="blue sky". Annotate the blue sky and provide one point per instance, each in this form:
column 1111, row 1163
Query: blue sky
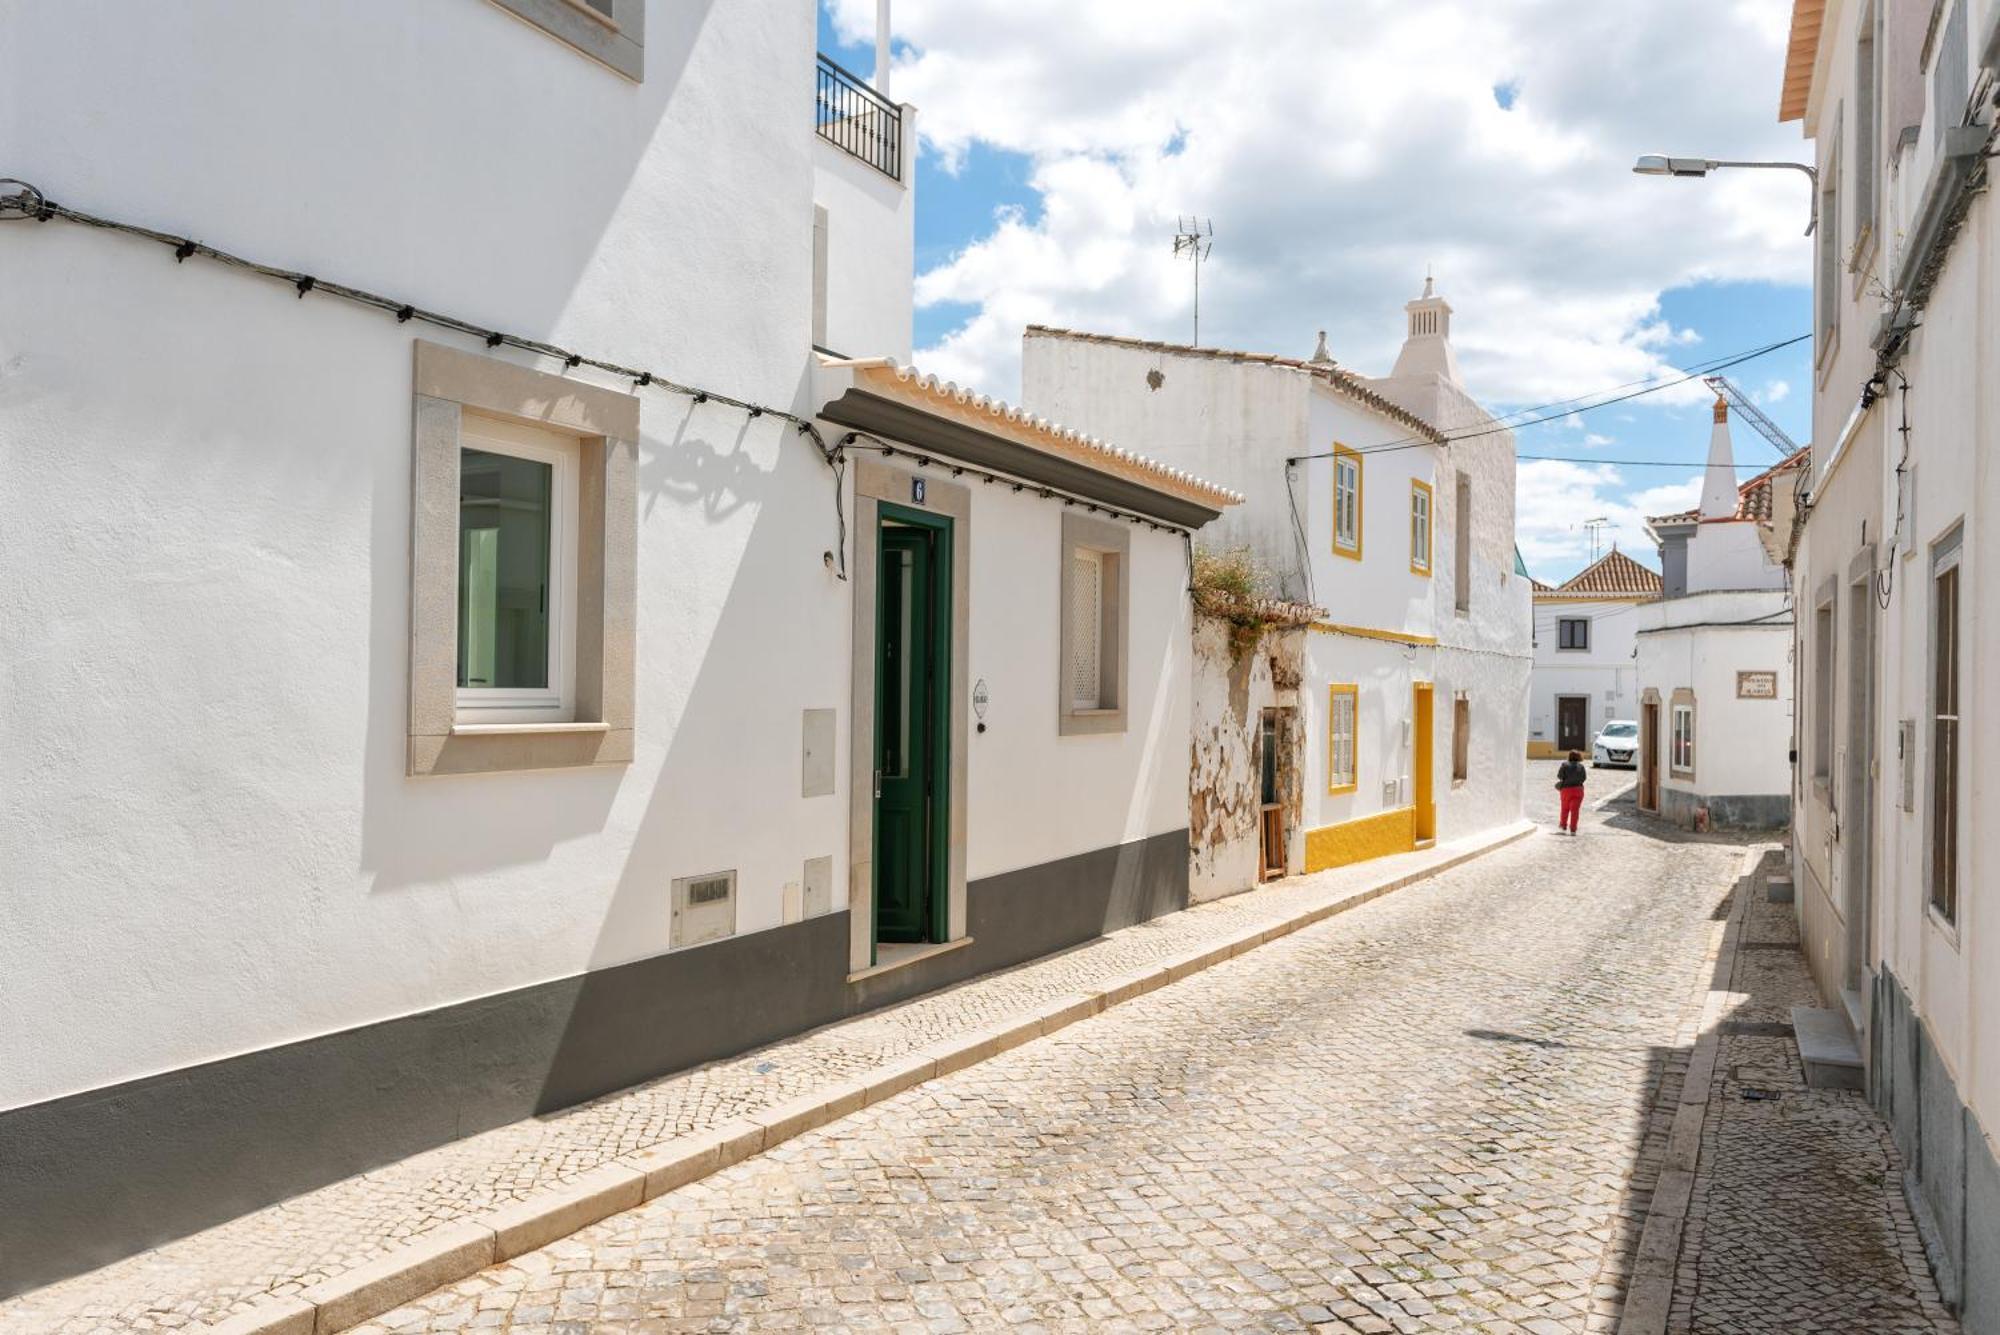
column 1051, row 169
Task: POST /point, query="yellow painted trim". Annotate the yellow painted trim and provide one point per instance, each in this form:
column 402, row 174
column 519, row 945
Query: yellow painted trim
column 1340, row 452
column 1376, row 836
column 1423, row 567
column 1353, row 693
column 1371, row 633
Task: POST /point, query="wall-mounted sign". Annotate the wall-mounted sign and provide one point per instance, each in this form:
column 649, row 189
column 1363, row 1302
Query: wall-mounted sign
column 979, row 698
column 1756, row 686
column 917, row 490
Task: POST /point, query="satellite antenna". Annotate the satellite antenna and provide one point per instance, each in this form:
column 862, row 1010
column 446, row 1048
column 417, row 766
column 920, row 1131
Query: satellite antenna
column 1195, row 237
column 1596, row 527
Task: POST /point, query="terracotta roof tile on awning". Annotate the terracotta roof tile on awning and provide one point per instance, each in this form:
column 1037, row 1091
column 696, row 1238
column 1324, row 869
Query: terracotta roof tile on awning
column 1801, row 54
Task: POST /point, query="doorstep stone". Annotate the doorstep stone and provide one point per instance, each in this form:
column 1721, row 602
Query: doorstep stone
column 1826, row 1045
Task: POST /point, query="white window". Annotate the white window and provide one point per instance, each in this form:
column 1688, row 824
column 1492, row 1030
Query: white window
column 1681, row 754
column 1340, row 713
column 1941, row 843
column 1823, row 667
column 516, row 581
column 1826, row 290
column 1096, row 561
column 1346, row 502
column 1086, row 635
column 1461, row 738
column 1420, row 527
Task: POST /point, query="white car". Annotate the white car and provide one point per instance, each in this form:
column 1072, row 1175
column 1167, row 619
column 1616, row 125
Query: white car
column 1618, row 744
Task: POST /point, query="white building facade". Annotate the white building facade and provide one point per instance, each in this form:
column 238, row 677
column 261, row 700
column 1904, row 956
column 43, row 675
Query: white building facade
column 492, row 658
column 1586, row 643
column 1360, row 501
column 1890, row 566
column 1714, row 655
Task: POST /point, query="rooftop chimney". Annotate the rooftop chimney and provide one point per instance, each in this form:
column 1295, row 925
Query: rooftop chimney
column 1718, row 484
column 1427, row 344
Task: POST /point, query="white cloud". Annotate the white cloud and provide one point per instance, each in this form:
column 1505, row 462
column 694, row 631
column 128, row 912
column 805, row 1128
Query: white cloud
column 1774, row 391
column 1341, row 149
column 1554, row 500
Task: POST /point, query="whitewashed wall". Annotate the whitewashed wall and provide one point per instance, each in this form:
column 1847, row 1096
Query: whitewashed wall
column 1605, row 672
column 1742, row 747
column 205, row 504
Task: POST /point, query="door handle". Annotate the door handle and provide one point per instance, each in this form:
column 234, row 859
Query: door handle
column 878, row 785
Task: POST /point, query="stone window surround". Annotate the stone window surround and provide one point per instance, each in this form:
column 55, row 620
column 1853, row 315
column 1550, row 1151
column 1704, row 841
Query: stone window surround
column 876, row 481
column 616, row 41
column 1682, row 698
column 447, row 383
column 1113, row 539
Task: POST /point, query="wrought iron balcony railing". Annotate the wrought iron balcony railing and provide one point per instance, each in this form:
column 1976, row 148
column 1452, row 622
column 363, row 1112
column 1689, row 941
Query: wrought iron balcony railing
column 851, row 116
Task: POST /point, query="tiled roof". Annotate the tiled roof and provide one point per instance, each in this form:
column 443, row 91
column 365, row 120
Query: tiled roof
column 1801, row 54
column 997, row 415
column 1753, row 498
column 1612, row 575
column 1346, row 382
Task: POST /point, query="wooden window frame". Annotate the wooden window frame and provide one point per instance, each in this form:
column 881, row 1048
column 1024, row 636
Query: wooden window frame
column 1947, row 558
column 1342, row 454
column 1682, row 703
column 1351, row 692
column 1423, row 512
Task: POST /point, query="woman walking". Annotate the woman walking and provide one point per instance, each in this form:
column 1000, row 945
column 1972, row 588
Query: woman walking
column 1569, row 786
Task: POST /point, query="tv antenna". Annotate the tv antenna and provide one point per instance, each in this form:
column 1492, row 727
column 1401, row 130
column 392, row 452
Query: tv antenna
column 1195, row 237
column 1596, row 527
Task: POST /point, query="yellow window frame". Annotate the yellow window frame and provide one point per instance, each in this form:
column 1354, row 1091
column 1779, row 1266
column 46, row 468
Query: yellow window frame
column 1341, row 452
column 1423, row 566
column 1352, row 693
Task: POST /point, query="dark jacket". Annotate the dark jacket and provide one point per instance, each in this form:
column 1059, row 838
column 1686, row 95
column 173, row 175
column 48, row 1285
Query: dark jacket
column 1570, row 774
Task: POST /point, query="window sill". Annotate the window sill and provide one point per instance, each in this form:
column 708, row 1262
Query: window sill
column 1083, row 722
column 906, row 955
column 522, row 729
column 1341, row 789
column 1942, row 925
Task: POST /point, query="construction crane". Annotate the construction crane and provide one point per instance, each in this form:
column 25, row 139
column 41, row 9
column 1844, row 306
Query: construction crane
column 1752, row 414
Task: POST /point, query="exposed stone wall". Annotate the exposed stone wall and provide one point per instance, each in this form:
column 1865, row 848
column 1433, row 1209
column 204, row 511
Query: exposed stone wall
column 1231, row 693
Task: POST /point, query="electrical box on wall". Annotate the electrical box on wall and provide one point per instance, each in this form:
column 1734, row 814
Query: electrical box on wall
column 704, row 908
column 819, row 886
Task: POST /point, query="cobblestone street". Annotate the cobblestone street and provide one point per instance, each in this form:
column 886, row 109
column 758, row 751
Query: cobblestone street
column 1433, row 1112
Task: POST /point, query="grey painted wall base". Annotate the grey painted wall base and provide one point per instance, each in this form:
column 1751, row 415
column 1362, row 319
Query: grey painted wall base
column 1772, row 811
column 100, row 1175
column 1952, row 1177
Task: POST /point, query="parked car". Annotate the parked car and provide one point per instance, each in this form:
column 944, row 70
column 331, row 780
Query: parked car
column 1617, row 744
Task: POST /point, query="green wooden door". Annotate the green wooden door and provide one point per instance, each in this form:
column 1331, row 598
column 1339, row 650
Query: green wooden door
column 912, row 677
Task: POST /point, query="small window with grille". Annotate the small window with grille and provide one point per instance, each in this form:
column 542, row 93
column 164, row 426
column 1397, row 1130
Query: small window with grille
column 1341, row 721
column 1096, row 558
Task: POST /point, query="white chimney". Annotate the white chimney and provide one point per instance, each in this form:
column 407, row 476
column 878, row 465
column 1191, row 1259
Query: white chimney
column 1718, row 486
column 882, row 47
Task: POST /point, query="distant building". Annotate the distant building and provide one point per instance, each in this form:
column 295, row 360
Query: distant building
column 1388, row 502
column 1585, row 638
column 1714, row 655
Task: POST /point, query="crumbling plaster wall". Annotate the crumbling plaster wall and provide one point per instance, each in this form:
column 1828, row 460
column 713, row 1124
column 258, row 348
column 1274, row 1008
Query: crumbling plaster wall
column 1231, row 692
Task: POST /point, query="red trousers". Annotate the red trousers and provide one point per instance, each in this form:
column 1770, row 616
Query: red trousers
column 1572, row 805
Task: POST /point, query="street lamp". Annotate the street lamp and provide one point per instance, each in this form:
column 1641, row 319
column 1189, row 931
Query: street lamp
column 1658, row 164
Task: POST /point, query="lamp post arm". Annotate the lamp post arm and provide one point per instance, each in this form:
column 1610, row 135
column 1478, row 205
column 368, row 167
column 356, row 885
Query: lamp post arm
column 1812, row 175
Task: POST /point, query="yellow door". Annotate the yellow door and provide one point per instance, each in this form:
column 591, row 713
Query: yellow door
column 1426, row 807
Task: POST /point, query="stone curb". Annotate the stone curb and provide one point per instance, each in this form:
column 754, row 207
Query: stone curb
column 457, row 1251
column 1649, row 1290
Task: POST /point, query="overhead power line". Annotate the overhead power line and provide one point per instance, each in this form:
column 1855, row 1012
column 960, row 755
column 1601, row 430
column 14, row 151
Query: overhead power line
column 1418, row 442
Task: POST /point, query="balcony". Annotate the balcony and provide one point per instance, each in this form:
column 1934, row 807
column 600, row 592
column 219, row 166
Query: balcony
column 859, row 121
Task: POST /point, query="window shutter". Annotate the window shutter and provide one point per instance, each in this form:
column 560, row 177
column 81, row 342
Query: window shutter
column 1086, row 610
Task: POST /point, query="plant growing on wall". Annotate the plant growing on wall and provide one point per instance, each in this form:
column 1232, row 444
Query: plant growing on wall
column 1234, row 587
